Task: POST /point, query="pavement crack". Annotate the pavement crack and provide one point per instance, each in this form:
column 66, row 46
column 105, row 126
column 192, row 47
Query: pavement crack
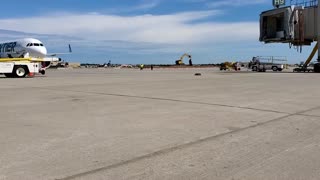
column 172, row 100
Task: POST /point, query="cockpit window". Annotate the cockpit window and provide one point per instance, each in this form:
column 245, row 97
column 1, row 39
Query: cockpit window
column 34, row 44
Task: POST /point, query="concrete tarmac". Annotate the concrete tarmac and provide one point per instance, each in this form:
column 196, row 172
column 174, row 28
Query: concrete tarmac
column 161, row 124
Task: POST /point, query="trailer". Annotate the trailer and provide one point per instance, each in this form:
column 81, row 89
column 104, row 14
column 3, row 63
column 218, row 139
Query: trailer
column 20, row 67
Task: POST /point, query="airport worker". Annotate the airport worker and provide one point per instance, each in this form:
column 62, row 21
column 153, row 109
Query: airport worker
column 151, row 67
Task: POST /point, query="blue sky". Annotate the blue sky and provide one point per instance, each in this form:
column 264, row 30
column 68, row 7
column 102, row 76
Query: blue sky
column 145, row 31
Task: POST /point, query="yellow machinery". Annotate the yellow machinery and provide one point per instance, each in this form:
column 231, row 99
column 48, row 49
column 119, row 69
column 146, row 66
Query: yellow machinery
column 305, row 68
column 315, row 49
column 228, row 66
column 44, row 62
column 180, row 61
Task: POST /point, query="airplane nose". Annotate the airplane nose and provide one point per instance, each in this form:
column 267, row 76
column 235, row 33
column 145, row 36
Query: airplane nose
column 43, row 51
column 39, row 52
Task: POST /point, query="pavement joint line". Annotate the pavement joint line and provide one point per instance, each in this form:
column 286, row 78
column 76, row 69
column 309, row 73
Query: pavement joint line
column 172, row 100
column 181, row 146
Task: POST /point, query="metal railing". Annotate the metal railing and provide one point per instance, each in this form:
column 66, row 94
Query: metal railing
column 272, row 59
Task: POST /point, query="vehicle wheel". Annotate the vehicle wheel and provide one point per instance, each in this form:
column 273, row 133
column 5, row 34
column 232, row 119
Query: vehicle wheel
column 275, row 68
column 254, row 68
column 317, row 68
column 20, row 71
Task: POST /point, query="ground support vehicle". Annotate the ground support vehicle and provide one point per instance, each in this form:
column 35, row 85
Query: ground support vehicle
column 20, row 67
column 230, row 66
column 303, row 69
column 263, row 64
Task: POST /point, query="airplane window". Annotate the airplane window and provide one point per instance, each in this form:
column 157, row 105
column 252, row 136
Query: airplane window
column 36, row 44
column 28, row 44
column 41, row 44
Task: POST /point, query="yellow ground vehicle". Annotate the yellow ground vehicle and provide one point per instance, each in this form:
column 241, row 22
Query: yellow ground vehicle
column 229, row 65
column 180, row 61
column 21, row 67
column 18, row 67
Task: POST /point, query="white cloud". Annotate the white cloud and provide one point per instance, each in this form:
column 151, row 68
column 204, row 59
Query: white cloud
column 226, row 3
column 147, row 4
column 142, row 5
column 177, row 28
column 139, row 6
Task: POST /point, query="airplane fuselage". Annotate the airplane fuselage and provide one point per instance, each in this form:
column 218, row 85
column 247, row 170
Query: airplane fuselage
column 23, row 48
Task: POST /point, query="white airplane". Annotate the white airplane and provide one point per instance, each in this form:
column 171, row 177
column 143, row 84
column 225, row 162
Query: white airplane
column 25, row 48
column 29, row 48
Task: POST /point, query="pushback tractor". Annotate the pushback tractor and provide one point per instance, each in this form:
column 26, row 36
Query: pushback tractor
column 20, row 67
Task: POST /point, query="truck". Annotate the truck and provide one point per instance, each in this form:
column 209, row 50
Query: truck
column 264, row 63
column 20, row 67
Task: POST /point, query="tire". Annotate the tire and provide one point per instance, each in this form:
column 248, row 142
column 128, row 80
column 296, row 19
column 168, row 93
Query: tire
column 275, row 68
column 20, row 71
column 254, row 68
column 317, row 68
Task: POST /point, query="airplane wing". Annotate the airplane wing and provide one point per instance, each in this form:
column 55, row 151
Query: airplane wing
column 55, row 54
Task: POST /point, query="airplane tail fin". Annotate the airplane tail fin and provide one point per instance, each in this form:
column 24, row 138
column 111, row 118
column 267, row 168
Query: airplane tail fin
column 70, row 50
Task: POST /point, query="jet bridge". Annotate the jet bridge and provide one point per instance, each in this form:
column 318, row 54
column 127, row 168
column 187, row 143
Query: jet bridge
column 296, row 25
column 292, row 24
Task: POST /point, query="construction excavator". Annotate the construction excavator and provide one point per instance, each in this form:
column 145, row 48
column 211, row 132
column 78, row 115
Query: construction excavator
column 180, row 61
